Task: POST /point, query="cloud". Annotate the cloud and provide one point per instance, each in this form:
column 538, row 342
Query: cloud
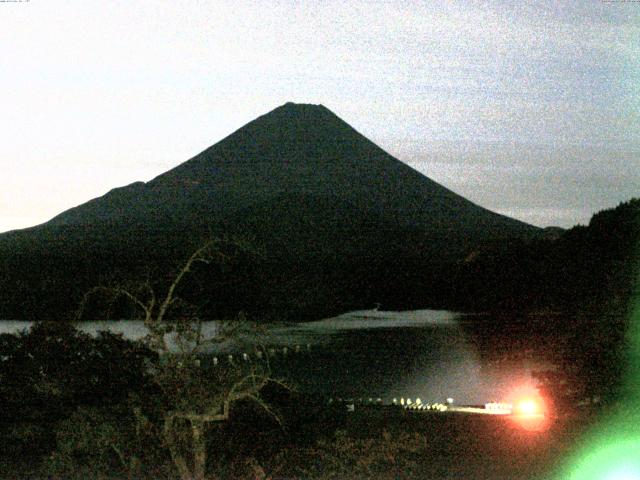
column 542, row 184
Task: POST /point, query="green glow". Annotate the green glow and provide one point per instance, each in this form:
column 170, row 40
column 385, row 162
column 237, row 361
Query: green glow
column 619, row 460
column 612, row 451
column 625, row 472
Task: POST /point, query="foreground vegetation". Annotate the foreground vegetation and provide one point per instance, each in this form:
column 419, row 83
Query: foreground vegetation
column 83, row 407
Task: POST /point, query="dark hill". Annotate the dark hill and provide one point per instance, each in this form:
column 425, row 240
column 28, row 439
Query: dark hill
column 327, row 205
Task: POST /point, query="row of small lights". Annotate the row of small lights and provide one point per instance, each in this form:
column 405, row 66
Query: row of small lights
column 407, row 404
column 526, row 406
column 418, row 405
column 259, row 355
column 498, row 407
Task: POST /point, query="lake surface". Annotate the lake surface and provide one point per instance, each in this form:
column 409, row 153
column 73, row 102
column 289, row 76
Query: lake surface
column 366, row 354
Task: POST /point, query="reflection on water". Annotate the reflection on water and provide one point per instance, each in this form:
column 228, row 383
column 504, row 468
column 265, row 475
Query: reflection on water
column 370, row 354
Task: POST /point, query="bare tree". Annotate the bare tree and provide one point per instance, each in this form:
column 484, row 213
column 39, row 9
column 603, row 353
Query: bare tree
column 196, row 397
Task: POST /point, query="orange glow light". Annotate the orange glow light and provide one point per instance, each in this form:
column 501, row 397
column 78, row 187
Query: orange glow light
column 529, row 414
column 528, row 406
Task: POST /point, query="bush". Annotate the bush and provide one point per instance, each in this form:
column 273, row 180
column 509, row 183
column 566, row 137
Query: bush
column 47, row 373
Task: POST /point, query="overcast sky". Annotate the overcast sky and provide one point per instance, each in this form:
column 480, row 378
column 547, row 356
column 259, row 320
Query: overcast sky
column 529, row 108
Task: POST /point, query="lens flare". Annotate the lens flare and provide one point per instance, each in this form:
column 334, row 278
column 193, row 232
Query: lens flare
column 528, row 406
column 625, row 472
column 529, row 414
column 617, row 460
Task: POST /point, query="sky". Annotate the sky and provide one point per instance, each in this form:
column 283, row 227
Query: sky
column 528, row 108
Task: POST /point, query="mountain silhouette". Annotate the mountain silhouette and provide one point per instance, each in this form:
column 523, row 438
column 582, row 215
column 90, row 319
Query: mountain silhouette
column 293, row 150
column 329, row 208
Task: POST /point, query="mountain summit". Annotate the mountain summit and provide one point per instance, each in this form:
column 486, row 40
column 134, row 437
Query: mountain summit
column 329, row 208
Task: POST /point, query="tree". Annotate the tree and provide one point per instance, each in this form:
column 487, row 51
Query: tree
column 193, row 396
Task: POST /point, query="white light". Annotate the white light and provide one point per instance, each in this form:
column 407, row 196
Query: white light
column 624, row 472
column 527, row 406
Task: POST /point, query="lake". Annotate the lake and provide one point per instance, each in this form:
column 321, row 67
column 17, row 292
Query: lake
column 424, row 354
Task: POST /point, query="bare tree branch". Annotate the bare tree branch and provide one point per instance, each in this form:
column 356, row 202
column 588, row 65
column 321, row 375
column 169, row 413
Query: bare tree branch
column 194, row 397
column 197, row 256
